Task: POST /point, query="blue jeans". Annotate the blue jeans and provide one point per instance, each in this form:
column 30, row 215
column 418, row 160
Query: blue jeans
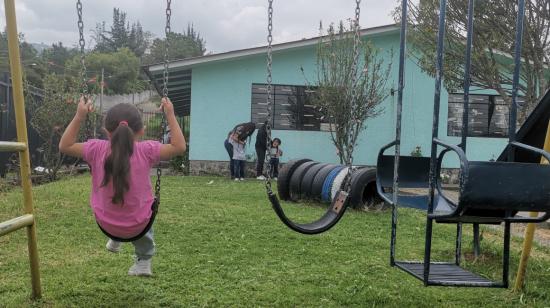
column 239, row 168
column 274, row 171
column 145, row 246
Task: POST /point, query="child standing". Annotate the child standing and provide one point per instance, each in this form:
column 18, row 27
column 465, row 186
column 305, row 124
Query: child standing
column 239, row 157
column 275, row 152
column 122, row 195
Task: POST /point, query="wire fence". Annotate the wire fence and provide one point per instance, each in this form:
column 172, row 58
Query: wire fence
column 152, row 122
column 153, row 130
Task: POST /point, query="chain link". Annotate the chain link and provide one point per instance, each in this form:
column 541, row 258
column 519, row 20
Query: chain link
column 167, row 31
column 82, row 76
column 269, row 92
column 82, row 45
column 163, row 124
column 353, row 94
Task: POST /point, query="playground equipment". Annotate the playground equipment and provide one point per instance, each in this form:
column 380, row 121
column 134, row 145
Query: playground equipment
column 490, row 192
column 27, row 220
column 340, row 202
column 307, row 180
column 84, row 93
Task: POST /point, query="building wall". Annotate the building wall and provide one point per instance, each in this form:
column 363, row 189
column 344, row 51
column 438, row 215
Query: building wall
column 221, row 98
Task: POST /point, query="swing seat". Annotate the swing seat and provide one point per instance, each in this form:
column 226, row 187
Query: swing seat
column 496, row 191
column 414, row 173
column 489, row 192
column 154, row 211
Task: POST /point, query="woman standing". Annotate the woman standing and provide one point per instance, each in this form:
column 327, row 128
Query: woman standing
column 261, row 147
column 229, row 148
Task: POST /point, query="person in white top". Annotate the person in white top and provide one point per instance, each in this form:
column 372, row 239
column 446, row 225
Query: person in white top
column 239, row 156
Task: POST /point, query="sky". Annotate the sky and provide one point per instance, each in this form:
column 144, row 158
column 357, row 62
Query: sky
column 224, row 24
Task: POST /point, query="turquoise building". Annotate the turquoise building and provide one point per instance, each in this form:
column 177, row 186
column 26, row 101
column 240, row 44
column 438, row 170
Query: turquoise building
column 220, row 90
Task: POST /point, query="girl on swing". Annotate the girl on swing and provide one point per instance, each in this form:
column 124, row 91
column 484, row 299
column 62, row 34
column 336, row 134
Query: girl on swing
column 122, row 196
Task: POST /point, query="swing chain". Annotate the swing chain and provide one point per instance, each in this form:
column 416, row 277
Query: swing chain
column 269, row 93
column 353, row 105
column 83, row 79
column 167, row 31
column 82, row 45
column 163, row 124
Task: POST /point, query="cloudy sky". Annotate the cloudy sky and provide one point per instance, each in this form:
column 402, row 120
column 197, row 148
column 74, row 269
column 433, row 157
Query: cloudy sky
column 224, row 24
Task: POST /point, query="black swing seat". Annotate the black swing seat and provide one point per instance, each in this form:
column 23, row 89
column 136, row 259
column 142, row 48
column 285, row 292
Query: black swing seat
column 154, row 211
column 489, row 192
column 331, row 217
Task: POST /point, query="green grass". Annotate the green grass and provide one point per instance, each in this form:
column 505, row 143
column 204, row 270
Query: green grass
column 220, row 244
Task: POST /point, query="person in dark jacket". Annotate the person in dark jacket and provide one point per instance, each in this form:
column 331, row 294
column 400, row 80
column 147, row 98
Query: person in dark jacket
column 261, row 147
column 229, row 148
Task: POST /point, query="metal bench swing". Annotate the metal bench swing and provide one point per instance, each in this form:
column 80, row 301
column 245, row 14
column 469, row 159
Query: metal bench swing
column 339, row 204
column 490, row 192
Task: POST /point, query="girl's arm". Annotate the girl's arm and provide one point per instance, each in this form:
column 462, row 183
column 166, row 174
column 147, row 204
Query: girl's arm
column 177, row 144
column 68, row 144
column 235, row 137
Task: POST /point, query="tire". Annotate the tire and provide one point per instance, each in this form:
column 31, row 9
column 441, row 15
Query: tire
column 285, row 174
column 363, row 189
column 296, row 179
column 319, row 180
column 327, row 184
column 307, row 181
column 338, row 182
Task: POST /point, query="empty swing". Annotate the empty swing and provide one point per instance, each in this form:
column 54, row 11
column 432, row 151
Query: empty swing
column 490, row 192
column 339, row 204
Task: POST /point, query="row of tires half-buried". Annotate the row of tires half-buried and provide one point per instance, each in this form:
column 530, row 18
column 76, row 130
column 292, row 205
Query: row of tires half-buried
column 304, row 179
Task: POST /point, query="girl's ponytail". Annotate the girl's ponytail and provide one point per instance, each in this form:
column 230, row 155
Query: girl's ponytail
column 117, row 164
column 122, row 122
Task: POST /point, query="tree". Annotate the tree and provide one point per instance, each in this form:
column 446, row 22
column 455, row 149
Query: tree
column 182, row 45
column 138, row 40
column 59, row 100
column 121, row 66
column 121, row 35
column 334, row 89
column 57, row 56
column 33, row 67
column 493, row 46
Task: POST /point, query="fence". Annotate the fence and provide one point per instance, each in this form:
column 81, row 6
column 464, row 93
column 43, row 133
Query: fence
column 7, row 122
column 153, row 120
column 153, row 129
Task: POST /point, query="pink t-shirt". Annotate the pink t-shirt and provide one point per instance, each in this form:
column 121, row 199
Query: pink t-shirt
column 130, row 219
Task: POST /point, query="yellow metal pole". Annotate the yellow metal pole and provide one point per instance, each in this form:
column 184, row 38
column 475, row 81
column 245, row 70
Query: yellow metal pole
column 21, row 125
column 530, row 230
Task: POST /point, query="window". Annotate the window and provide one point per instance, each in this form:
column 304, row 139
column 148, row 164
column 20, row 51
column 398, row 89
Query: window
column 487, row 115
column 292, row 108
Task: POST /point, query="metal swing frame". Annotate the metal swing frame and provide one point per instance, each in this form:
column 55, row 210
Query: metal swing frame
column 479, row 202
column 28, row 219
